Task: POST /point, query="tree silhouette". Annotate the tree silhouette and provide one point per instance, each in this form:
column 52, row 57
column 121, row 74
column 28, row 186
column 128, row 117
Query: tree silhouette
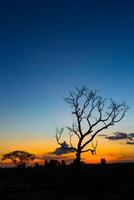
column 19, row 158
column 93, row 114
column 102, row 161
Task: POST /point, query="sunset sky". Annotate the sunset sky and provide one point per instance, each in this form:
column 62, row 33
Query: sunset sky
column 47, row 47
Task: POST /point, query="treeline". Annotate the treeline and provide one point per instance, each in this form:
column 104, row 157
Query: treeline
column 21, row 159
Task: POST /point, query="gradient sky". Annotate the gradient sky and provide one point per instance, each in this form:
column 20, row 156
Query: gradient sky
column 49, row 46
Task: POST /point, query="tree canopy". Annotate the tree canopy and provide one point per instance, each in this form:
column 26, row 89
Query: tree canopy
column 19, row 158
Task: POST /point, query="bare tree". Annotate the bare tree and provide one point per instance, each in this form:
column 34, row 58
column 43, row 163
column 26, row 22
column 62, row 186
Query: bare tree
column 93, row 114
column 19, row 158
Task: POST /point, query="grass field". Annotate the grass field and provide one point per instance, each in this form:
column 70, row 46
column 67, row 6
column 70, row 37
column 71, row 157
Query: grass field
column 110, row 182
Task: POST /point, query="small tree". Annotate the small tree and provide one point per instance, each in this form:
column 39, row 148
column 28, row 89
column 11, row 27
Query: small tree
column 102, row 161
column 19, row 158
column 93, row 114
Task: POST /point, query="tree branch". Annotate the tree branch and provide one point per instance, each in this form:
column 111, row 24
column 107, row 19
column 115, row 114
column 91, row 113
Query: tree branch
column 58, row 136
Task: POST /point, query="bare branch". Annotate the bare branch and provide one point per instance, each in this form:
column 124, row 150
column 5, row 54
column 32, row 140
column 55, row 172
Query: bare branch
column 58, row 136
column 93, row 150
column 93, row 114
column 115, row 115
column 74, row 129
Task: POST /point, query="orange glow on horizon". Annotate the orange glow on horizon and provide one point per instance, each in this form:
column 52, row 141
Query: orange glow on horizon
column 112, row 151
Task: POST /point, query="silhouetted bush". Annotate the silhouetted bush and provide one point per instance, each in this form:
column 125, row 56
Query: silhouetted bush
column 103, row 161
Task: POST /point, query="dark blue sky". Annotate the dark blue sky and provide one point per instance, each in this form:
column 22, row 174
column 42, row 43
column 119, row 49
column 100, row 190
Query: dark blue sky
column 48, row 46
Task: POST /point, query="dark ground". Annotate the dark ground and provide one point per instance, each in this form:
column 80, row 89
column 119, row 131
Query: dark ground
column 112, row 182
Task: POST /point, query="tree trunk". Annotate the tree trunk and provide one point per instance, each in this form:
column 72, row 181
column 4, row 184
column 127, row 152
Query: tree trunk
column 78, row 160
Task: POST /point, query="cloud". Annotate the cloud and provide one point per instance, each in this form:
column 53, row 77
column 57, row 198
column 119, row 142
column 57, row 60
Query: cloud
column 63, row 150
column 118, row 136
column 102, row 135
column 129, row 137
column 126, row 157
column 130, row 143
